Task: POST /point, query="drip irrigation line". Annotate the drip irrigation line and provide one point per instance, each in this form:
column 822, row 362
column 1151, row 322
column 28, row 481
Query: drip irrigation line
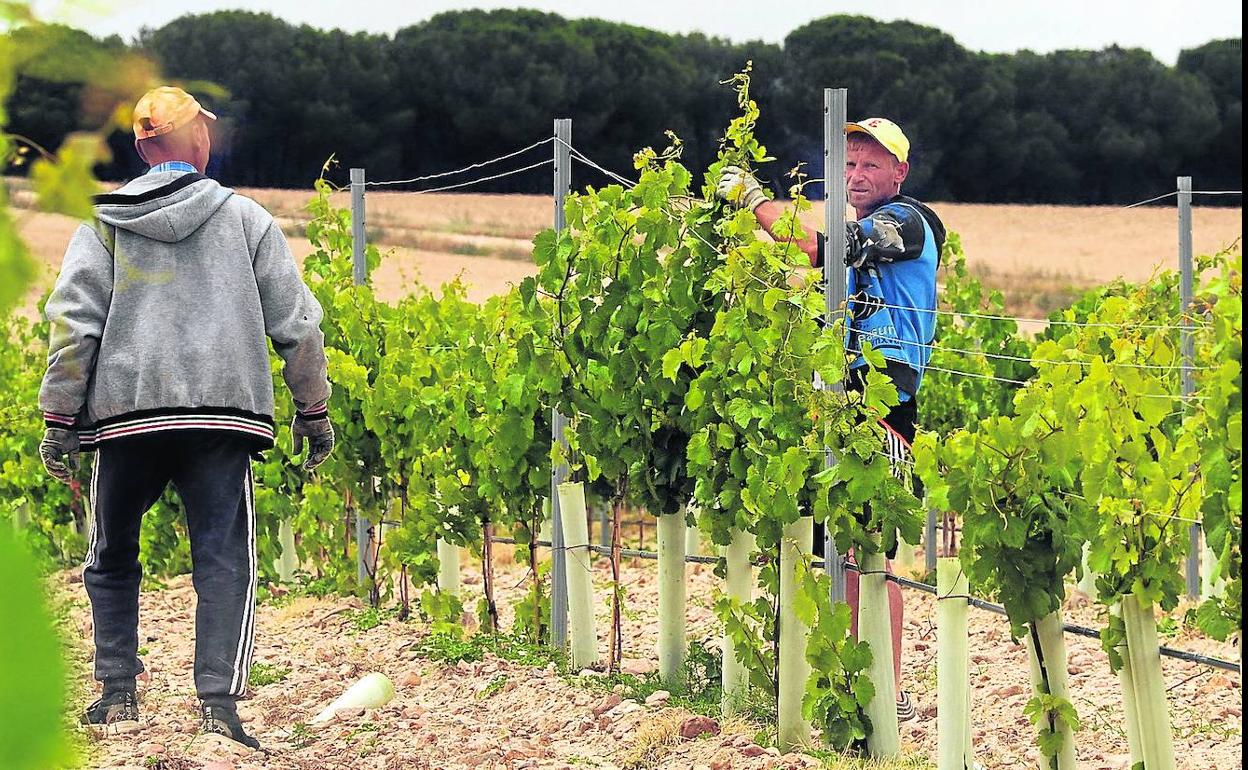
column 471, row 167
column 1069, row 628
column 997, row 609
column 1217, row 192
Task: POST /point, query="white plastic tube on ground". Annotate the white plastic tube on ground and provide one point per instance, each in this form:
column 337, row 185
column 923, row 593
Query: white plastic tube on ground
column 793, row 730
column 582, row 635
column 671, row 644
column 1046, row 647
column 373, row 691
column 952, row 666
column 1156, row 738
column 875, row 628
column 735, row 678
column 448, row 568
column 288, row 559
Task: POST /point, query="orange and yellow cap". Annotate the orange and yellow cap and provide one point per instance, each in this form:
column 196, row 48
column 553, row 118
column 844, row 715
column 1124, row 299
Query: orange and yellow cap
column 165, row 109
column 886, row 132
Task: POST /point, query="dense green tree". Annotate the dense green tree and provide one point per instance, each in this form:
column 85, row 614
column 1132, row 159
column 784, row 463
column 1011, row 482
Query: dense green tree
column 900, row 70
column 290, row 96
column 1219, row 64
column 1107, row 126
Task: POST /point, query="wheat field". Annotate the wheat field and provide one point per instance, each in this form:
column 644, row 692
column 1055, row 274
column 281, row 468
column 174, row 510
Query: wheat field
column 1040, row 257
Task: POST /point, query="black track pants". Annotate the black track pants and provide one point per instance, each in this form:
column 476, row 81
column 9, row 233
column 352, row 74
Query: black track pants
column 211, row 472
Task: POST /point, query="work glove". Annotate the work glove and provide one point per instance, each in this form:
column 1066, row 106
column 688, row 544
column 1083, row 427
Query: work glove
column 882, row 244
column 855, row 245
column 320, row 436
column 59, row 452
column 740, row 188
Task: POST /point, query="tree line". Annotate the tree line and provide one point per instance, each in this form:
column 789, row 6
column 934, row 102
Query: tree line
column 1077, row 126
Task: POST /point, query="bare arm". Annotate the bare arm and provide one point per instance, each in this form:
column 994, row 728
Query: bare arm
column 768, row 214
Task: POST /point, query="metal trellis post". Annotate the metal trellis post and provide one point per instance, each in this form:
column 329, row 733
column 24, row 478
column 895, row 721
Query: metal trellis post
column 360, row 275
column 1188, row 346
column 558, row 423
column 834, row 116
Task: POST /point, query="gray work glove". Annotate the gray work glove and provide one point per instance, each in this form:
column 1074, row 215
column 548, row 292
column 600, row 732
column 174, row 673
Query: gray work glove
column 740, row 188
column 59, row 452
column 320, row 436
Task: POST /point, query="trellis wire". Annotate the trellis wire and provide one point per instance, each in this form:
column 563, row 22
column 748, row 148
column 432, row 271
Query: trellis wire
column 580, row 156
column 1052, row 322
column 1034, row 361
column 980, row 603
column 471, row 167
column 483, row 179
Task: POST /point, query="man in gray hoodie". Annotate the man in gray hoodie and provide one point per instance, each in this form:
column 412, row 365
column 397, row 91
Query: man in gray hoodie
column 158, row 361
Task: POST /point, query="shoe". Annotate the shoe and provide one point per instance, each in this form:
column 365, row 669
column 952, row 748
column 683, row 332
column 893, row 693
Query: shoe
column 223, row 720
column 905, row 708
column 119, row 706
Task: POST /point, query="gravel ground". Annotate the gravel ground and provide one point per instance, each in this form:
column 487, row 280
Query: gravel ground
column 499, row 714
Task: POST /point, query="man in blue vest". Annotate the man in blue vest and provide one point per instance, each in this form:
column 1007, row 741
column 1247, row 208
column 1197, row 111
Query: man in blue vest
column 892, row 252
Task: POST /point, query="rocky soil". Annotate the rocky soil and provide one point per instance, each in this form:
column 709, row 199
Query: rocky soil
column 495, row 713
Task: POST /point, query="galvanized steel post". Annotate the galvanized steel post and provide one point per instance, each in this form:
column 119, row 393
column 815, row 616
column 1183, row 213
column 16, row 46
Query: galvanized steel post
column 834, row 117
column 558, row 423
column 360, row 275
column 1188, row 348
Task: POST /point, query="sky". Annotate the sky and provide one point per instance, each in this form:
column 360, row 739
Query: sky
column 1163, row 27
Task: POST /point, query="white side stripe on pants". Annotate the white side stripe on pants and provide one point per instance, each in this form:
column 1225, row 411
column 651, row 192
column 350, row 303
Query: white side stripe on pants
column 251, row 545
column 95, row 513
column 242, row 657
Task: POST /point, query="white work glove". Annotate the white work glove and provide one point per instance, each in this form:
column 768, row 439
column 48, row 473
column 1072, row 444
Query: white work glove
column 740, row 188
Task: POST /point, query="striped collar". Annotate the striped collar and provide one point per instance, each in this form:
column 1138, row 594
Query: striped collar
column 173, row 165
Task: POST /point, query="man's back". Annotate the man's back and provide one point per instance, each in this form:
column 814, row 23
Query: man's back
column 173, row 291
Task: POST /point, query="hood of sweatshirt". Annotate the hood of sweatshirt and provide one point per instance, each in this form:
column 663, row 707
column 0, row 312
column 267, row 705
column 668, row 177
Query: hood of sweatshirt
column 166, row 206
column 933, row 221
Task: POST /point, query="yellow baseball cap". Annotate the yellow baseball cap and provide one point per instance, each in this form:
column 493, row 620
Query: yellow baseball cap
column 165, row 109
column 886, row 132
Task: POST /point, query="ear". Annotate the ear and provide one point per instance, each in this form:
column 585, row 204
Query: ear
column 901, row 172
column 199, row 134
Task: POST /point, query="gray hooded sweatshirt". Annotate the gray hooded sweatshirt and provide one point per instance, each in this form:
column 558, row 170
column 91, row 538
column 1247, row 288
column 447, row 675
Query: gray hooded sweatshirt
column 161, row 310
